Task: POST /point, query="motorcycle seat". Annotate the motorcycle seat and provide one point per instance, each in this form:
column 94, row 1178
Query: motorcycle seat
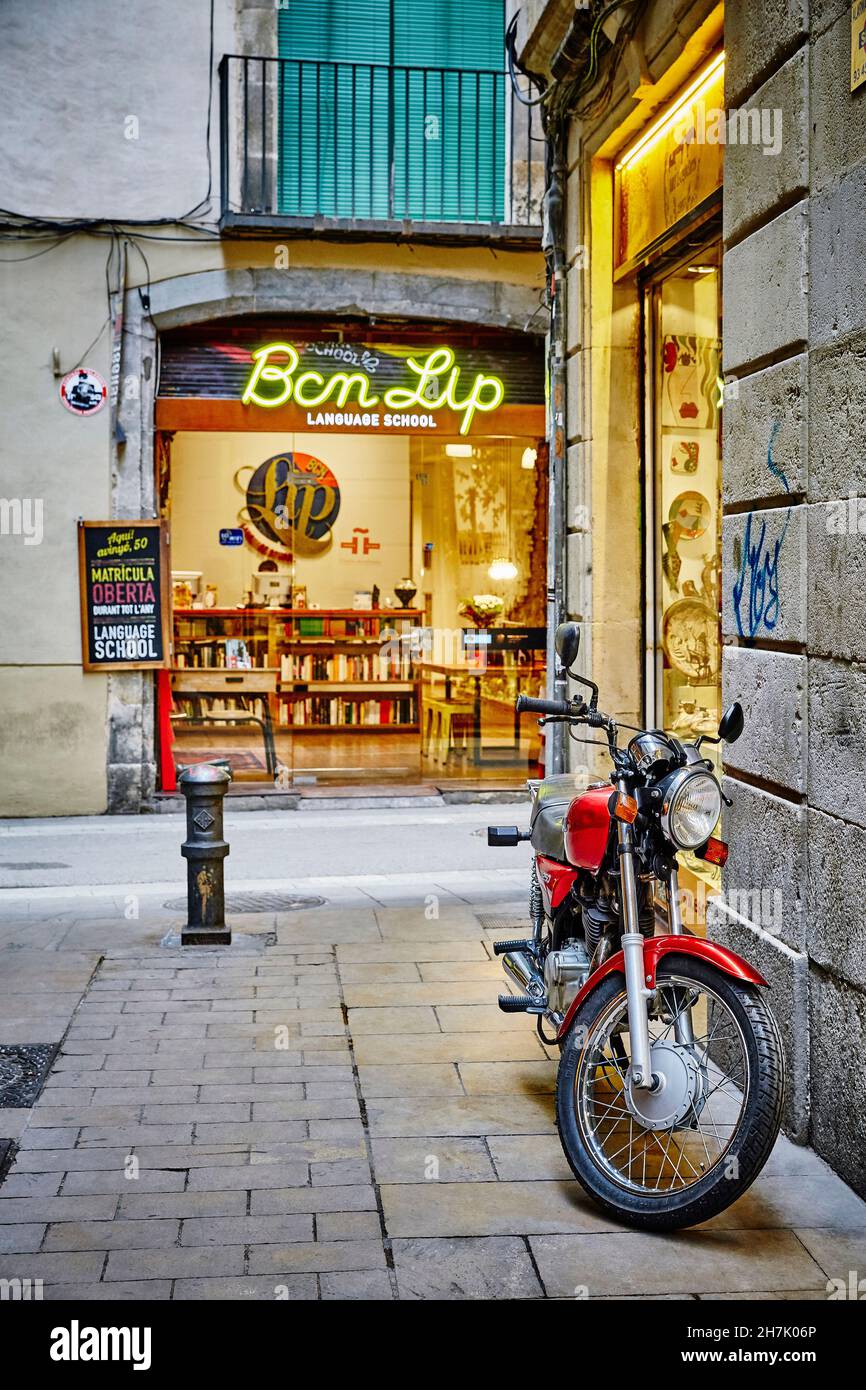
column 547, row 835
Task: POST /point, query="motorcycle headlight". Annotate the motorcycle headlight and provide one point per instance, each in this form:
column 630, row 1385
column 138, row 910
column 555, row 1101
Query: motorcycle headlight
column 691, row 806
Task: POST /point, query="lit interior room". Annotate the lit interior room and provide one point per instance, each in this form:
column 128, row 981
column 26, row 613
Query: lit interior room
column 390, row 647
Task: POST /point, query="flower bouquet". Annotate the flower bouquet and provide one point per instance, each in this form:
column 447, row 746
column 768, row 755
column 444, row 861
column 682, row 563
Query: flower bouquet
column 482, row 610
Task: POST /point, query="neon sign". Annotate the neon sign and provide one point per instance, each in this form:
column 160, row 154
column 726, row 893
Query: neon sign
column 310, row 388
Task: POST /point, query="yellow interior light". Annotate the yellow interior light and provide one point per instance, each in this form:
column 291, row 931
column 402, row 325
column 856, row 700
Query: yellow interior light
column 661, row 127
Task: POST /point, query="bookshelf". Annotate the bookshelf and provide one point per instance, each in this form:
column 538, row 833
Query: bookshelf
column 337, row 670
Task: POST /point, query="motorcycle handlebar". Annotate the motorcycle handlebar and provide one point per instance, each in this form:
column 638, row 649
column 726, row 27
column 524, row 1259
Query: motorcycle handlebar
column 564, row 708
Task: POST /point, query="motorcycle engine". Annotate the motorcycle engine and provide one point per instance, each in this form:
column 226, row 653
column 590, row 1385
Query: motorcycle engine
column 564, row 974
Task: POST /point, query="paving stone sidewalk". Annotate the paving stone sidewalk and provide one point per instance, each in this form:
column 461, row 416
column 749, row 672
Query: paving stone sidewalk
column 335, row 1108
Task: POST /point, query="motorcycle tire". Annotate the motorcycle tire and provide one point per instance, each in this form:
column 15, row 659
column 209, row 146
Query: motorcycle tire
column 754, row 1135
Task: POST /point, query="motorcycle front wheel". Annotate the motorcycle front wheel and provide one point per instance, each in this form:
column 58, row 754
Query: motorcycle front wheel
column 680, row 1153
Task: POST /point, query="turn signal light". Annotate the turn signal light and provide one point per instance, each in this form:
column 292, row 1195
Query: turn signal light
column 714, row 851
column 625, row 808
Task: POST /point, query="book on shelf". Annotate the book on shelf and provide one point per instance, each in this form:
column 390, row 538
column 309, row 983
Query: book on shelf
column 344, row 666
column 201, row 706
column 337, row 710
column 219, row 653
column 238, row 656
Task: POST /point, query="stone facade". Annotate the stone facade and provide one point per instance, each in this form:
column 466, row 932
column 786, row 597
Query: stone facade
column 794, row 435
column 794, row 500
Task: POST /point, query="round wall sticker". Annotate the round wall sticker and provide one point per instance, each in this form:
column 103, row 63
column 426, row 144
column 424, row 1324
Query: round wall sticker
column 292, row 501
column 83, row 391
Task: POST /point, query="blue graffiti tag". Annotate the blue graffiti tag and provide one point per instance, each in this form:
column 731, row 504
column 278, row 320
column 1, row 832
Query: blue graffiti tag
column 774, row 467
column 759, row 566
column 759, row 575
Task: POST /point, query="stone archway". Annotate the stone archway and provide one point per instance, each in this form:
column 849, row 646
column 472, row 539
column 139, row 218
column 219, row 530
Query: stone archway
column 219, row 294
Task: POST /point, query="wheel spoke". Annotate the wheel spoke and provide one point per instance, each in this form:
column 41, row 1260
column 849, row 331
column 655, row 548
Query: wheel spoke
column 665, row 1155
column 668, row 1159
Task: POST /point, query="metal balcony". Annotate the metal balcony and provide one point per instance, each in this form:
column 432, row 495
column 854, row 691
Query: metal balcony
column 368, row 150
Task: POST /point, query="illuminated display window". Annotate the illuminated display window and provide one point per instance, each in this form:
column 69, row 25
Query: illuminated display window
column 683, row 502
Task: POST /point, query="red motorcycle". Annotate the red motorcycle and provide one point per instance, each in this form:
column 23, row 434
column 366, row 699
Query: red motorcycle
column 670, row 1085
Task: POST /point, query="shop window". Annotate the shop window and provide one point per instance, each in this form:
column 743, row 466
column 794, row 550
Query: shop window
column 683, row 502
column 355, row 608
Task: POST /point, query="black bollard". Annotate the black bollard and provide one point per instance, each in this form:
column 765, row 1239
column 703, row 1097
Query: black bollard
column 204, row 850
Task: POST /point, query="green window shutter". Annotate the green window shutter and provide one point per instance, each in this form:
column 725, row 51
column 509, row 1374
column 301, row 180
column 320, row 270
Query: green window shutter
column 451, row 167
column 334, row 108
column 392, row 109
column 449, row 33
column 344, row 31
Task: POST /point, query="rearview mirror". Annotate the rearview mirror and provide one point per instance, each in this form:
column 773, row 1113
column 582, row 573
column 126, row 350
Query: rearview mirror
column 567, row 642
column 731, row 724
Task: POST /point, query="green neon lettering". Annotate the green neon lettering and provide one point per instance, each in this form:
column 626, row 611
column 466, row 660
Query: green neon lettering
column 268, row 371
column 364, row 398
column 399, row 397
column 300, row 393
column 486, row 393
column 339, row 380
column 476, row 399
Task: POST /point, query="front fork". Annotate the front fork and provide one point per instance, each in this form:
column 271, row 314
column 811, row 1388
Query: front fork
column 637, row 993
column 683, row 1030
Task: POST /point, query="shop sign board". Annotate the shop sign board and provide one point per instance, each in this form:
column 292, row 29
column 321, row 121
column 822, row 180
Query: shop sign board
column 672, row 168
column 858, row 44
column 124, row 587
column 433, row 383
column 291, row 501
column 274, row 376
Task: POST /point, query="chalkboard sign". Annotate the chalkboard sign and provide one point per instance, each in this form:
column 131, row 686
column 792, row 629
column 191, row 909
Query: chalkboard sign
column 123, row 578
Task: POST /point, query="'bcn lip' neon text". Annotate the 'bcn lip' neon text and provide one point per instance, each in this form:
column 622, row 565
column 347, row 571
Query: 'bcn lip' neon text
column 311, row 388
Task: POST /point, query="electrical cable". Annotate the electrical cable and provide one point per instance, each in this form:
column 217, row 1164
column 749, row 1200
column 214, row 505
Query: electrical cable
column 570, row 91
column 15, row 260
column 107, row 319
column 144, row 296
column 533, row 78
column 205, row 201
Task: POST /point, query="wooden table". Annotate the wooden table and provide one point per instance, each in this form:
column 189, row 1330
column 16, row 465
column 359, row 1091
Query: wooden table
column 454, row 671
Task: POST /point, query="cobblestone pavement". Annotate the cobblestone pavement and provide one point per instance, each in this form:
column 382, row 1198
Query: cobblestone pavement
column 334, row 1107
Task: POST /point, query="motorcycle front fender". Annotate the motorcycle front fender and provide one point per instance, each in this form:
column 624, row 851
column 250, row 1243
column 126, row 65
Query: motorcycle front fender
column 654, row 949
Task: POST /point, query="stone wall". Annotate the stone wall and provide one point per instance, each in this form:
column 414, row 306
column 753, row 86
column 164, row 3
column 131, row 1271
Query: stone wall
column 795, row 552
column 794, row 495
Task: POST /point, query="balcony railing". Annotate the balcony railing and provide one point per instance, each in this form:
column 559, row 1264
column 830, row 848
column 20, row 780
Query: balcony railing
column 361, row 144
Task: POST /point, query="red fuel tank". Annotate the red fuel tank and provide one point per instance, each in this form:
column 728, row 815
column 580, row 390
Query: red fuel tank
column 586, row 828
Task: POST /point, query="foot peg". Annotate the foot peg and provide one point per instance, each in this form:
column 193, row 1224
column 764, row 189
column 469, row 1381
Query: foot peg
column 500, row 948
column 520, row 1004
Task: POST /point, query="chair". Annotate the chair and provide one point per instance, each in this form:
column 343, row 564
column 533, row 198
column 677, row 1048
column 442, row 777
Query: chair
column 445, row 722
column 203, row 686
